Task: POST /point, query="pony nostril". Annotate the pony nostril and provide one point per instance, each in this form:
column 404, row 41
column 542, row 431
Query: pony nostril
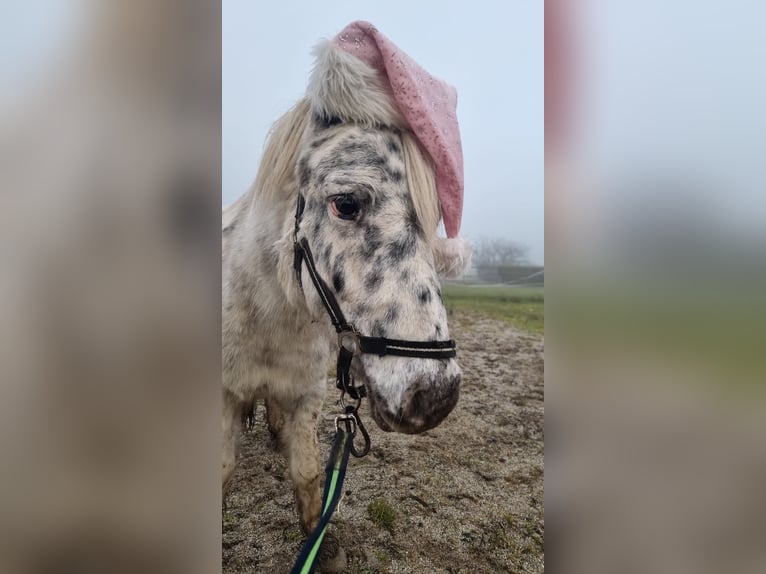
column 417, row 405
column 429, row 402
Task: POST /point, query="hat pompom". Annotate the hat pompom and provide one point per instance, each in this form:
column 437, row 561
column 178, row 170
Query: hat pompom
column 452, row 256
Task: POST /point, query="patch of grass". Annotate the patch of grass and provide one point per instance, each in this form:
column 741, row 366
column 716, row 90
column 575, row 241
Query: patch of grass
column 381, row 514
column 498, row 537
column 229, row 523
column 518, row 538
column 522, row 307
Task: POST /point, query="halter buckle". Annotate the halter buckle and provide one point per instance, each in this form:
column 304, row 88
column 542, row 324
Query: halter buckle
column 348, row 339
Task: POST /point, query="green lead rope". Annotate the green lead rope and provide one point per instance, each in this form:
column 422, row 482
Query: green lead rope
column 333, row 488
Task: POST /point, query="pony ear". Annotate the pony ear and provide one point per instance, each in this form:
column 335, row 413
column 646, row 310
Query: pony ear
column 452, row 256
column 344, row 87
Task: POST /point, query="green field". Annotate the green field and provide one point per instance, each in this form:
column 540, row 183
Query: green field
column 522, row 307
column 715, row 329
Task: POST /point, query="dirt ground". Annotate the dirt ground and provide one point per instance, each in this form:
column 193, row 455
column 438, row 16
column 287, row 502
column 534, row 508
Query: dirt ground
column 465, row 497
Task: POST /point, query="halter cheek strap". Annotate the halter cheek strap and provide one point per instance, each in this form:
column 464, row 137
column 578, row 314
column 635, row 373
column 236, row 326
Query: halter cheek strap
column 350, row 341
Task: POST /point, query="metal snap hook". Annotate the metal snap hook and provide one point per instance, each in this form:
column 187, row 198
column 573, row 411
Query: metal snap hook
column 350, row 423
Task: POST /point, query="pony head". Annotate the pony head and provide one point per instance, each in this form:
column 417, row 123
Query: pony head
column 370, row 218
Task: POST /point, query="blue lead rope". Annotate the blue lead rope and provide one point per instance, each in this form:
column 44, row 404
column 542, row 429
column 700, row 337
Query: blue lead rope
column 333, row 488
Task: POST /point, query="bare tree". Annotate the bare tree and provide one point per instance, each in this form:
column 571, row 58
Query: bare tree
column 495, row 251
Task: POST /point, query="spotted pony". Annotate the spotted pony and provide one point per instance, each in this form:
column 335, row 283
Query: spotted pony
column 371, row 215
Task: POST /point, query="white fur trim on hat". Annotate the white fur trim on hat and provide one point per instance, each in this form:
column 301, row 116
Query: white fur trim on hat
column 452, row 256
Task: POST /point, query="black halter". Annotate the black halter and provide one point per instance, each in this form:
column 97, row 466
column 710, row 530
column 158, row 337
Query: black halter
column 350, row 341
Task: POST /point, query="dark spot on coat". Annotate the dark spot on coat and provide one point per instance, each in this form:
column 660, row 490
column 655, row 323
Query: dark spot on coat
column 375, row 160
column 438, row 330
column 393, row 147
column 327, row 255
column 338, row 281
column 402, row 247
column 413, row 223
column 404, row 276
column 380, row 260
column 304, row 173
column 372, row 280
column 372, row 233
column 395, row 175
column 313, row 204
column 439, row 295
column 335, row 162
column 378, row 329
column 229, row 228
column 372, row 241
column 381, row 198
column 424, row 295
column 352, row 146
column 361, row 310
column 391, row 314
column 338, row 263
column 353, row 153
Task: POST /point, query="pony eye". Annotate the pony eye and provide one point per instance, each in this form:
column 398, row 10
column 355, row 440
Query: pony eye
column 345, row 207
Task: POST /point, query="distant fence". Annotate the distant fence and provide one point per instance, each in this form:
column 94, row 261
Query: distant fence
column 529, row 275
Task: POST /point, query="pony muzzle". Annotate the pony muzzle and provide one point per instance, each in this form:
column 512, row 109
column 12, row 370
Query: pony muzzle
column 424, row 405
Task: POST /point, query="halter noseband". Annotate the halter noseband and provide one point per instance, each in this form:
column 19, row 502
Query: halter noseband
column 350, row 341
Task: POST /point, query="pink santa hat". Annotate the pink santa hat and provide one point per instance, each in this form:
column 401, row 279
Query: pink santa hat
column 426, row 105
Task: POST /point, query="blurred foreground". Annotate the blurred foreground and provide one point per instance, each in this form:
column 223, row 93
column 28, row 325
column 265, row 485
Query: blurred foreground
column 655, row 303
column 110, row 166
